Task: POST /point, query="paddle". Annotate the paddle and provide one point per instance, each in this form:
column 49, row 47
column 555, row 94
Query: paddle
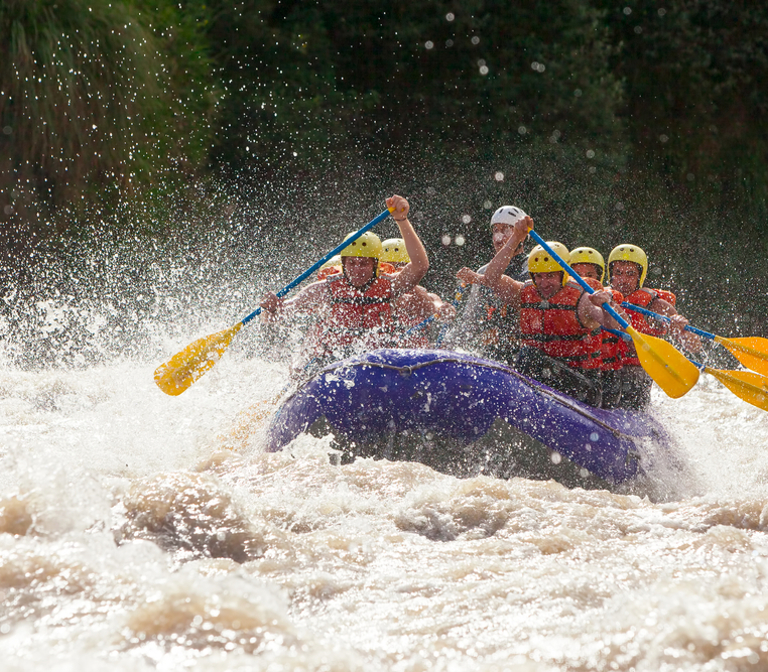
column 668, row 367
column 749, row 386
column 189, row 365
column 751, row 351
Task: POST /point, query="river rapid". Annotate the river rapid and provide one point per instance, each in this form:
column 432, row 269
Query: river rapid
column 145, row 532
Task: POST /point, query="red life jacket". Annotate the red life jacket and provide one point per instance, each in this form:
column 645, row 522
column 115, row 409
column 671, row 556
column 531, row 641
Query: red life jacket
column 594, row 284
column 323, row 273
column 553, row 326
column 610, row 357
column 643, row 297
column 359, row 313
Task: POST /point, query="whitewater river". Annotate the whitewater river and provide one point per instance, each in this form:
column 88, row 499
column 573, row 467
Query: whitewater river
column 144, row 532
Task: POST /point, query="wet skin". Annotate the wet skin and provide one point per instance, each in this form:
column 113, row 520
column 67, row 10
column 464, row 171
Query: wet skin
column 587, row 270
column 625, row 276
column 548, row 284
column 359, row 270
column 501, row 233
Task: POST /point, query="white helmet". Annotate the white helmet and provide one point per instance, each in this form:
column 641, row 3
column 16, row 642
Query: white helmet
column 507, row 214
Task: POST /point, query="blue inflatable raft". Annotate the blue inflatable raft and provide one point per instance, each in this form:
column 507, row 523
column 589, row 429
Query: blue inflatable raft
column 465, row 415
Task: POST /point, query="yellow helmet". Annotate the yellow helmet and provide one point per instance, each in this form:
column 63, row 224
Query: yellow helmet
column 627, row 252
column 394, row 251
column 367, row 245
column 588, row 255
column 540, row 261
column 335, row 260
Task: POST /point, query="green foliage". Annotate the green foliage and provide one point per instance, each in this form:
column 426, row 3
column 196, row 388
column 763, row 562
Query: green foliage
column 95, row 101
column 108, row 107
column 694, row 76
column 305, row 78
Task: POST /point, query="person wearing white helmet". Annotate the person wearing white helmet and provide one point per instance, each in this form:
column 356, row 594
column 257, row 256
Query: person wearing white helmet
column 503, row 223
column 485, row 321
column 559, row 322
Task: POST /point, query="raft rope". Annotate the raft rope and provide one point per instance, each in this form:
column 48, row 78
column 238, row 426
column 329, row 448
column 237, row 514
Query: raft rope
column 407, row 370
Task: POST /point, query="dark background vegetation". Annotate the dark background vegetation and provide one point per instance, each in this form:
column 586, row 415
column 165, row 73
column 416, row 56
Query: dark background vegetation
column 265, row 121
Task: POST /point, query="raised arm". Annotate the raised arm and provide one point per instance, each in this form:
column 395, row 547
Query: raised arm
column 507, row 289
column 417, row 268
column 503, row 257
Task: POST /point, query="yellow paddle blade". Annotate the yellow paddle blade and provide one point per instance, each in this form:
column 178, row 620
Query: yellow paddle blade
column 751, row 351
column 749, row 386
column 191, row 364
column 668, row 367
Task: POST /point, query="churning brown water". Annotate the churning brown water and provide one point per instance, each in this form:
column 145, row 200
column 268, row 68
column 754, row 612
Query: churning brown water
column 144, row 532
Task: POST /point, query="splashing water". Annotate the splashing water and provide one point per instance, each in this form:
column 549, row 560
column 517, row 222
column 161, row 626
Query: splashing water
column 146, row 532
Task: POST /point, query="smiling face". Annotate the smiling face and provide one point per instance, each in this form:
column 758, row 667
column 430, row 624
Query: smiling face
column 359, row 270
column 625, row 276
column 548, row 284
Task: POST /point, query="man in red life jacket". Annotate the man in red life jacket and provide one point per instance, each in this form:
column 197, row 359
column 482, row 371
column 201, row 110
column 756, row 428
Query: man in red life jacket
column 414, row 307
column 356, row 305
column 559, row 322
column 628, row 268
column 590, row 265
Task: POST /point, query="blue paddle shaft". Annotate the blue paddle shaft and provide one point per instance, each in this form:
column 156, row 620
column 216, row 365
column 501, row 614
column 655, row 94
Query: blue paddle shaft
column 620, row 334
column 420, row 325
column 320, row 262
column 650, row 313
column 607, row 307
